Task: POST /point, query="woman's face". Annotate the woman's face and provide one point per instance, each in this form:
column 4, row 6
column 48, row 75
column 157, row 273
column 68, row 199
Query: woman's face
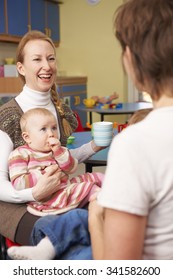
column 127, row 62
column 129, row 68
column 39, row 65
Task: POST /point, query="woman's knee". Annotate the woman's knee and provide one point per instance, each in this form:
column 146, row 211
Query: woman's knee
column 81, row 215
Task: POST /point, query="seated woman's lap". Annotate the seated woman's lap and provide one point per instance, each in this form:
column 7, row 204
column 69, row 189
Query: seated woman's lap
column 24, row 229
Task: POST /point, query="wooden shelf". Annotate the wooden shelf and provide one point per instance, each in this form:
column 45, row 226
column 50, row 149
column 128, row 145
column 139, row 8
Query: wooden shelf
column 71, row 80
column 14, row 84
column 10, row 85
column 9, row 38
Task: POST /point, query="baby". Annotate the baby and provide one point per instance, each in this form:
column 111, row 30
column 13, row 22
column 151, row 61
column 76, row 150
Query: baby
column 29, row 162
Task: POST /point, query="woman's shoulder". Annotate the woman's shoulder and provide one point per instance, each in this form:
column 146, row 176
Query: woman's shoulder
column 10, row 112
column 10, row 106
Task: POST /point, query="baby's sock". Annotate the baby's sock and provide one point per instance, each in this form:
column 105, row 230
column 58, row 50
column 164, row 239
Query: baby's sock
column 43, row 251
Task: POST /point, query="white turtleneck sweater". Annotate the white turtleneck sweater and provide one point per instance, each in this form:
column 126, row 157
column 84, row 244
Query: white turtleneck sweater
column 28, row 99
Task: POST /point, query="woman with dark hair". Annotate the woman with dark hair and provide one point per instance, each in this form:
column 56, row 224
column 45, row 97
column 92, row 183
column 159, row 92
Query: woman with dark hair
column 137, row 193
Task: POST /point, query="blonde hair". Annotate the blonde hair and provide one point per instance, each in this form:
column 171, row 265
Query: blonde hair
column 33, row 112
column 139, row 116
column 38, row 35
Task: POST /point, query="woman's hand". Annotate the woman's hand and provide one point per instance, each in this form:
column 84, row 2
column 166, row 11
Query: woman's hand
column 97, row 148
column 47, row 184
column 96, row 213
column 50, row 168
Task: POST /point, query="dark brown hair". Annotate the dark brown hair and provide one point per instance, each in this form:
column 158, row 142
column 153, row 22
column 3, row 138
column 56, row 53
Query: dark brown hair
column 146, row 27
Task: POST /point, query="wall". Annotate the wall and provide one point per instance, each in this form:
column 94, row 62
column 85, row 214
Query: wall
column 7, row 50
column 88, row 47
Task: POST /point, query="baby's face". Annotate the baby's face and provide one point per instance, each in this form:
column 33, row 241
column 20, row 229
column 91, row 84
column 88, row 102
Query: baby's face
column 40, row 129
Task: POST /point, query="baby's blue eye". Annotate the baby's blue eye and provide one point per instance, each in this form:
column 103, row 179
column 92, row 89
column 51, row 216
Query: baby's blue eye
column 54, row 128
column 43, row 129
column 36, row 59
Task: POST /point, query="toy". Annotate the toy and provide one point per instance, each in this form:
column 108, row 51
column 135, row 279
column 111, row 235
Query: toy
column 70, row 139
column 105, row 100
column 89, row 102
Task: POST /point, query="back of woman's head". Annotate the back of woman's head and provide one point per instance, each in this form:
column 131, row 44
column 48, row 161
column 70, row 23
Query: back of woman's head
column 146, row 27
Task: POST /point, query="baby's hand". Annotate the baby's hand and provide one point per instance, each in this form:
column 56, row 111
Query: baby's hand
column 54, row 144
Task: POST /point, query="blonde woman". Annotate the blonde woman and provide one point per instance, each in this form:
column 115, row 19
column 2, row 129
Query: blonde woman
column 36, row 65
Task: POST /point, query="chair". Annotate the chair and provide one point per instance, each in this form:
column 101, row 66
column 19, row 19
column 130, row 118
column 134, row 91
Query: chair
column 122, row 126
column 3, row 248
column 5, row 243
column 80, row 127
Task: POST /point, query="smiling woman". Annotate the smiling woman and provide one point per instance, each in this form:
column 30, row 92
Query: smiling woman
column 41, row 56
column 36, row 64
column 37, row 69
